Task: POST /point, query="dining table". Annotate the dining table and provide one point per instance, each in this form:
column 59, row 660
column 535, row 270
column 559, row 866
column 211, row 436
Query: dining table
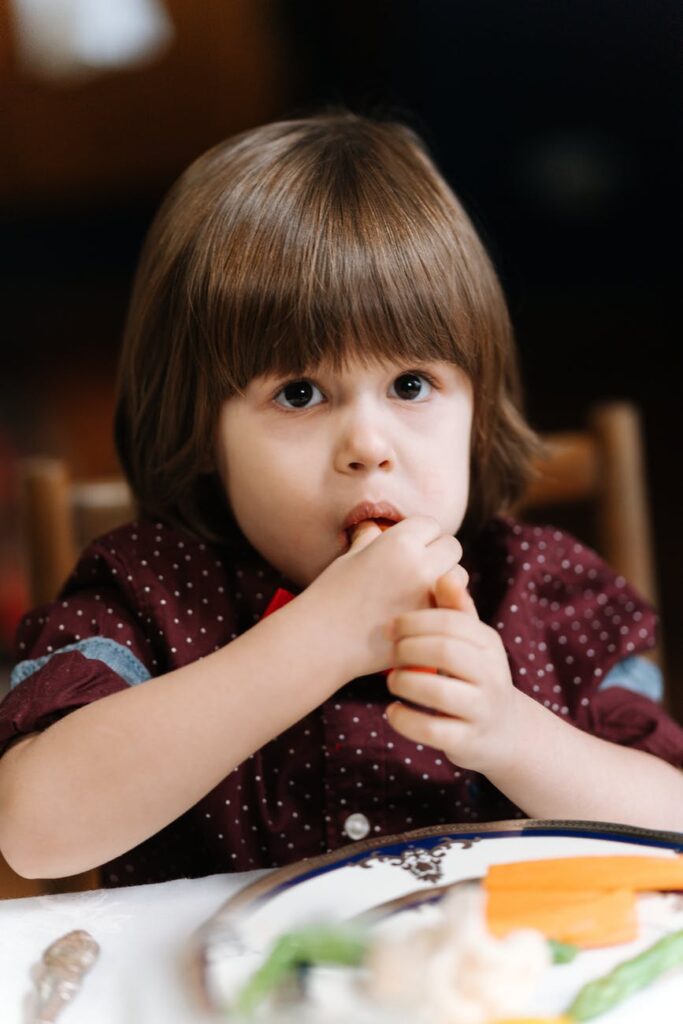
column 146, row 969
column 174, row 952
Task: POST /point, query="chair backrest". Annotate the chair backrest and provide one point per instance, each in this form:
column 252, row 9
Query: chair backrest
column 59, row 517
column 602, row 468
column 603, row 465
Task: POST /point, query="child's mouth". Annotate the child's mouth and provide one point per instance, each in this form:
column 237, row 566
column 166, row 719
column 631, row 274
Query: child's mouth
column 383, row 524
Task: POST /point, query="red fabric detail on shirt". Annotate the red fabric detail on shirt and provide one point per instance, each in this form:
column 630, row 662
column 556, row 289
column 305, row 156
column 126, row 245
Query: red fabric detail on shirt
column 280, row 598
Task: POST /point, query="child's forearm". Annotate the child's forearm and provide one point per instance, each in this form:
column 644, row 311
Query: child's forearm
column 113, row 773
column 558, row 771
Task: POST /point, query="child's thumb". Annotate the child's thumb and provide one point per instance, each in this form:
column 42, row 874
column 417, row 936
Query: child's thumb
column 363, row 534
column 451, row 591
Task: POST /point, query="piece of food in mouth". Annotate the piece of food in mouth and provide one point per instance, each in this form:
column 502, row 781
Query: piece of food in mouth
column 383, row 524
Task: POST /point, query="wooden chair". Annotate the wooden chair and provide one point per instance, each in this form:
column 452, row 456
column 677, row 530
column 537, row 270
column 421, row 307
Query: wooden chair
column 603, row 465
column 59, row 517
column 602, row 469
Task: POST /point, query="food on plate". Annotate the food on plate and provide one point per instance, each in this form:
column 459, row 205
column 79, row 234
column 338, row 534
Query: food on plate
column 482, row 954
column 533, row 1020
column 602, row 994
column 449, row 972
column 588, row 873
column 562, row 952
column 588, row 901
column 454, row 971
column 304, row 947
column 585, row 919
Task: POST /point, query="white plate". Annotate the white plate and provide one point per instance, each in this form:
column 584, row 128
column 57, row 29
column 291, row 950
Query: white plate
column 359, row 877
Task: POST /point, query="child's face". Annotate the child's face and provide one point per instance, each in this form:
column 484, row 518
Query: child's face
column 295, row 455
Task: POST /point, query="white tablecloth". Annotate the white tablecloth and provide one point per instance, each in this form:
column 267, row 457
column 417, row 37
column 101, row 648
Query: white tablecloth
column 142, row 975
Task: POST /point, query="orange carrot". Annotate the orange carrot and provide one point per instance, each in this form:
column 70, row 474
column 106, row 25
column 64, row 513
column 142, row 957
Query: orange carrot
column 532, row 1020
column 515, row 901
column 581, row 873
column 587, row 920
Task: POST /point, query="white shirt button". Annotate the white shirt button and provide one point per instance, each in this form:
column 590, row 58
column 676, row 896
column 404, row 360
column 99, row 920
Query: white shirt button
column 356, row 826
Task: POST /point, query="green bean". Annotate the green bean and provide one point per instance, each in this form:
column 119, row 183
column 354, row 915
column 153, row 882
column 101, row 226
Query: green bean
column 562, row 952
column 601, row 995
column 313, row 944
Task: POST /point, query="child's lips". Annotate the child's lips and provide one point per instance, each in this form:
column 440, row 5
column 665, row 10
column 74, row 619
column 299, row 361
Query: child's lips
column 384, row 524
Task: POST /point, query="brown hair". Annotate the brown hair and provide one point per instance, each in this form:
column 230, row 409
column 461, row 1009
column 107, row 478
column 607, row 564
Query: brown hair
column 293, row 243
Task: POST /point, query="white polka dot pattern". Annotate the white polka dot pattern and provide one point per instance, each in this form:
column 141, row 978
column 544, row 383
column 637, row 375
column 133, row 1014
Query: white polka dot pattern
column 564, row 617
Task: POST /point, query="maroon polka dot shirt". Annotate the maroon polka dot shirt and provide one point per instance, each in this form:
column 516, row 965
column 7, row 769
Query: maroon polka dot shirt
column 146, row 599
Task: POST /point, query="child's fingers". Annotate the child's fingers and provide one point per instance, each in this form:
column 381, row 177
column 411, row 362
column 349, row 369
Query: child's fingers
column 450, row 591
column 450, row 656
column 458, row 574
column 438, row 731
column 444, row 622
column 448, row 696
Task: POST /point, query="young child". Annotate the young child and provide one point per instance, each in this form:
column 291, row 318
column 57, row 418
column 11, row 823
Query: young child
column 317, row 339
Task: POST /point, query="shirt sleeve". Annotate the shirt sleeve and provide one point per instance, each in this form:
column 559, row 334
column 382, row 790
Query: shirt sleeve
column 575, row 632
column 630, row 719
column 88, row 643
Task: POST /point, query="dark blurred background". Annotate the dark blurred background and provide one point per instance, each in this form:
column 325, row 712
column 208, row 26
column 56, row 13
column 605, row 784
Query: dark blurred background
column 554, row 122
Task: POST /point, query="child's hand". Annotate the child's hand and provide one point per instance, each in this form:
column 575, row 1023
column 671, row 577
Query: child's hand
column 472, row 697
column 382, row 575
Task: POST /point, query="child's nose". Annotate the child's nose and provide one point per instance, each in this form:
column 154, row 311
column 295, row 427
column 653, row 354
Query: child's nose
column 366, row 444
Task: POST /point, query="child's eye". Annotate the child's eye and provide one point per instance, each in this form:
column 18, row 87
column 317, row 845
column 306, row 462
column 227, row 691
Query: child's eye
column 297, row 391
column 407, row 386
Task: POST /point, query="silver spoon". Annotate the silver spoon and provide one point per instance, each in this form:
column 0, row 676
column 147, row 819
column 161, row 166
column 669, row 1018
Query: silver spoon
column 59, row 975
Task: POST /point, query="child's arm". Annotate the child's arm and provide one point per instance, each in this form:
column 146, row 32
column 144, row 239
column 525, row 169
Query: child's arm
column 559, row 771
column 111, row 774
column 544, row 764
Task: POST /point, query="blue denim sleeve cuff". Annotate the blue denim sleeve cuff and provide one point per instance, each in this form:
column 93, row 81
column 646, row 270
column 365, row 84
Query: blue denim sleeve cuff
column 115, row 656
column 637, row 674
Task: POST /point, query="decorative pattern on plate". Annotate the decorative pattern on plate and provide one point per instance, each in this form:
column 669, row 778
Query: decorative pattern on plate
column 423, row 864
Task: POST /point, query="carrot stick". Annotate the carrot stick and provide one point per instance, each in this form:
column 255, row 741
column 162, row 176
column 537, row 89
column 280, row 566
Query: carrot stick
column 582, row 873
column 605, row 920
column 514, row 901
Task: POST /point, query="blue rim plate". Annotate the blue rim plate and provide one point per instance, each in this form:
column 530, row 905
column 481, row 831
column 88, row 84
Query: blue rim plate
column 360, row 877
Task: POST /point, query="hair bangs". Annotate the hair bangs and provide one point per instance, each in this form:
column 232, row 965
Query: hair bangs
column 342, row 261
